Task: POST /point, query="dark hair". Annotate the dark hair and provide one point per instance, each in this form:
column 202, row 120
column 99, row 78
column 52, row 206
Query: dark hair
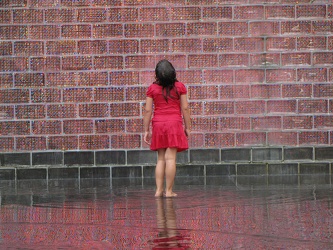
column 166, row 77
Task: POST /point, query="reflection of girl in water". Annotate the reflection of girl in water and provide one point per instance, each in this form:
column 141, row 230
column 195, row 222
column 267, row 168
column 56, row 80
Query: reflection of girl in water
column 168, row 235
column 169, row 98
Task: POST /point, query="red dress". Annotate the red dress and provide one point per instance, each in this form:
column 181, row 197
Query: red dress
column 168, row 130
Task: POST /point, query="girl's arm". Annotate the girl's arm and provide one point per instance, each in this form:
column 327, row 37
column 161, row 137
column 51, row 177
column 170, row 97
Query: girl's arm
column 147, row 118
column 186, row 113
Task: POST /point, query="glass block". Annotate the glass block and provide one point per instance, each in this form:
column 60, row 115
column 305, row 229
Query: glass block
column 280, row 12
column 124, row 109
column 249, row 12
column 202, row 92
column 234, row 60
column 311, row 43
column 134, row 126
column 267, row 123
column 44, row 32
column 171, row 2
column 45, row 64
column 154, row 46
column 27, row 16
column 91, row 15
column 77, row 63
column 296, row 90
column 14, row 3
column 61, row 47
column 108, row 62
column 78, row 95
column 6, row 49
column 78, row 126
column 104, row 3
column 123, row 46
column 196, row 140
column 264, row 28
column 281, row 43
column 178, row 61
column 311, row 11
column 249, row 44
column 323, row 58
column 280, row 75
column 31, row 143
column 29, row 80
column 196, row 108
column 322, row 27
column 43, row 3
column 218, row 76
column 14, row 64
column 295, row 27
column 61, row 79
column 323, row 122
column 219, row 140
column 186, row 45
column 265, row 59
column 235, row 123
column 289, row 59
column 170, row 29
column 6, row 112
column 202, row 29
column 281, row 106
column 92, row 78
column 267, row 91
column 94, row 110
column 282, row 138
column 185, row 13
column 125, row 141
column 94, row 142
column 46, row 127
column 233, row 28
column 124, row 15
column 313, row 106
column 110, row 126
column 62, row 142
column 204, row 124
column 61, row 111
column 251, row 138
column 203, row 61
column 15, row 128
column 139, row 30
column 312, row 75
column 5, row 16
column 14, row 32
column 217, row 13
column 75, row 3
column 14, row 96
column 6, row 144
column 59, row 15
column 297, row 122
column 30, row 111
column 140, row 62
column 45, row 95
column 250, row 107
column 218, row 108
column 92, row 47
column 217, row 44
column 250, row 76
column 135, row 93
column 121, row 78
column 76, row 31
column 313, row 138
column 234, row 92
column 6, row 81
column 323, row 90
column 153, row 14
column 190, row 76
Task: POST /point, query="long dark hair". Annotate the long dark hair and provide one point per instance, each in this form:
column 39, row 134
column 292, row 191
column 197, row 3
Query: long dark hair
column 166, row 77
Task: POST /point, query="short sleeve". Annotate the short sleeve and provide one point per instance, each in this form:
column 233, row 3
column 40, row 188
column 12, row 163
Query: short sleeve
column 149, row 92
column 181, row 88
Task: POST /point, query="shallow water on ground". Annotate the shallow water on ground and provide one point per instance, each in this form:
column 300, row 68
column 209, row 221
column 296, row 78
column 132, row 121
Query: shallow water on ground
column 101, row 215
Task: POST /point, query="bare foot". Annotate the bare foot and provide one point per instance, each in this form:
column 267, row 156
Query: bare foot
column 170, row 195
column 159, row 193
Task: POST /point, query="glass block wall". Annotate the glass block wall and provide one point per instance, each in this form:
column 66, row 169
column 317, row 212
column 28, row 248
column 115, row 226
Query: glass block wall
column 73, row 73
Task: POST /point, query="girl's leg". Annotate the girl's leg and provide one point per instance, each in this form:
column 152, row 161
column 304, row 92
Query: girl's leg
column 170, row 170
column 159, row 172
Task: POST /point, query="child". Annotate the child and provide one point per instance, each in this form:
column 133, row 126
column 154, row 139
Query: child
column 168, row 135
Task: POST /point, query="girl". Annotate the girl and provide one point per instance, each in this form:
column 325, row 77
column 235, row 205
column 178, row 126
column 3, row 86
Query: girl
column 168, row 135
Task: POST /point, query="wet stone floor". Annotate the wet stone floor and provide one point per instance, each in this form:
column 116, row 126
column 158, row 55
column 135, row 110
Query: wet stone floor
column 214, row 213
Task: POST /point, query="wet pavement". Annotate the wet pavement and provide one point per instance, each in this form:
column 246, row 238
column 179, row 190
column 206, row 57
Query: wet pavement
column 214, row 213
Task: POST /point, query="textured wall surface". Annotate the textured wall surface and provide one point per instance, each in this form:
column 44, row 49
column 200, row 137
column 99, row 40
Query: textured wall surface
column 74, row 73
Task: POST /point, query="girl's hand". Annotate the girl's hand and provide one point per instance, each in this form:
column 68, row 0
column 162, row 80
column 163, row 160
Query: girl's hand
column 187, row 132
column 147, row 138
